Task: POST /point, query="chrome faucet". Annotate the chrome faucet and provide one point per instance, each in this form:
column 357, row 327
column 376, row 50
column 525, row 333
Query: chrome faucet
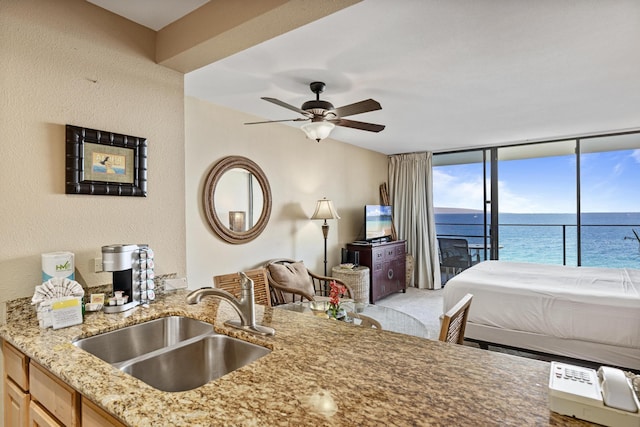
column 245, row 306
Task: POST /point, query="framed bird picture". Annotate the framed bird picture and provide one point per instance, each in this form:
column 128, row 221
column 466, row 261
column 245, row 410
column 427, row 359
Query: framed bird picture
column 105, row 163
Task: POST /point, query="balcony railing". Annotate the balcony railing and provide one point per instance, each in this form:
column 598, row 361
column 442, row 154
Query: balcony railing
column 602, row 245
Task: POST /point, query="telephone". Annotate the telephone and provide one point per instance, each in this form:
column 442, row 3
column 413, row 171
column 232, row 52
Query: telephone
column 606, row 396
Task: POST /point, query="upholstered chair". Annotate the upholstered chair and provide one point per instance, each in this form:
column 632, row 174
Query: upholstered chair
column 291, row 281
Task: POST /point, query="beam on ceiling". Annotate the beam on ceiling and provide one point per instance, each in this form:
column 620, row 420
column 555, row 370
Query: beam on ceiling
column 221, row 28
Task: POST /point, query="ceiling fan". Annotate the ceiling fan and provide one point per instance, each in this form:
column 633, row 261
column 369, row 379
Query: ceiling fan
column 323, row 116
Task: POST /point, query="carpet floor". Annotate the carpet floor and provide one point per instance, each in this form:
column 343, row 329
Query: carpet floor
column 423, row 304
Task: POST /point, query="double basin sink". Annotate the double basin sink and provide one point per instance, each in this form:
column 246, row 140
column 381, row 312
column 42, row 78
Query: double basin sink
column 172, row 353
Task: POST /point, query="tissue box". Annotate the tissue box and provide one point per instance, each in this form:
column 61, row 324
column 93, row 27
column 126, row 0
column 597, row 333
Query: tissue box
column 58, row 264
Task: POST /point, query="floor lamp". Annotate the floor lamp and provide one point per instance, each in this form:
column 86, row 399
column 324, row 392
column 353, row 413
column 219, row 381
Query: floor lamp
column 325, row 210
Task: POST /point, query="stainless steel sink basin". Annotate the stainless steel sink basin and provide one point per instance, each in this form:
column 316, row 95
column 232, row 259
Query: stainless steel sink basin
column 194, row 364
column 172, row 353
column 136, row 340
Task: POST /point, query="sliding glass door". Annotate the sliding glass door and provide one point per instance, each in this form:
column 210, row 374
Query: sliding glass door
column 537, row 203
column 610, row 201
column 461, row 184
column 571, row 202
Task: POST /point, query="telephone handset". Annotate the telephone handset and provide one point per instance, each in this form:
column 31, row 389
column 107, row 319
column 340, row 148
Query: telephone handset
column 616, row 389
column 604, row 397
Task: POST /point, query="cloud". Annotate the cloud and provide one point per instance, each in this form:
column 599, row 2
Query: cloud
column 511, row 202
column 635, row 154
column 453, row 191
column 465, row 190
column 617, row 169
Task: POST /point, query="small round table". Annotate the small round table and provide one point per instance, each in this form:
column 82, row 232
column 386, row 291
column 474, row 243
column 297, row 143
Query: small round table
column 390, row 319
column 358, row 280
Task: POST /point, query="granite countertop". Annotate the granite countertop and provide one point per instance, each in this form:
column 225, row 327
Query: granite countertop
column 320, row 372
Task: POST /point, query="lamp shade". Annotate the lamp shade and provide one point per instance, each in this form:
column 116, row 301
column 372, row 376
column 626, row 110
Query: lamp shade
column 325, row 210
column 317, row 130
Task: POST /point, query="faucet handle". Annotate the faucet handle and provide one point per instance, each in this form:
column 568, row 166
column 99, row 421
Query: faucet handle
column 245, row 282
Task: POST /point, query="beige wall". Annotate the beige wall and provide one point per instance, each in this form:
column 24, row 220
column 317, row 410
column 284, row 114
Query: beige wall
column 69, row 62
column 300, row 172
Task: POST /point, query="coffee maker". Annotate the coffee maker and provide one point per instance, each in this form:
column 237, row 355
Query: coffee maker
column 132, row 268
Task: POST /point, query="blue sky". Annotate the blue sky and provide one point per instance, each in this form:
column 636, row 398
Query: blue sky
column 610, row 183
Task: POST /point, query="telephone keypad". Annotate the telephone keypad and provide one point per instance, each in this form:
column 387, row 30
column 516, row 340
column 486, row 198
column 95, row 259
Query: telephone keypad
column 576, row 380
column 577, row 375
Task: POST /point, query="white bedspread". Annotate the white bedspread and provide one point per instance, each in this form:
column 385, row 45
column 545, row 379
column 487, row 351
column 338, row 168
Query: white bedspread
column 599, row 305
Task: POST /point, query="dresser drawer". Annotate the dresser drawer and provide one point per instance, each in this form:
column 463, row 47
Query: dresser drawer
column 16, row 365
column 378, row 255
column 56, row 397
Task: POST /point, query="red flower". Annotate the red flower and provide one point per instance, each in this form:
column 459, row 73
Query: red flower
column 335, row 292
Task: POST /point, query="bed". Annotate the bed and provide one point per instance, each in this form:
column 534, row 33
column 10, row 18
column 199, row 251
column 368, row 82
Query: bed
column 586, row 313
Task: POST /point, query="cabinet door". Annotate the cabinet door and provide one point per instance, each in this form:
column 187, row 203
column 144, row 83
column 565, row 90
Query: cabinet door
column 57, row 397
column 398, row 275
column 16, row 405
column 38, row 417
column 378, row 277
column 94, row 416
column 16, row 365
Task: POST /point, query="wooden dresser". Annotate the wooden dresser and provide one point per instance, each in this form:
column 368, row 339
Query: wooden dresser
column 387, row 268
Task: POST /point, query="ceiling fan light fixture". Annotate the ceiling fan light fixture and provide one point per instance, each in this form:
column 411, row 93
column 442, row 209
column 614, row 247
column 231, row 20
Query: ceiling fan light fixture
column 317, row 130
column 324, row 117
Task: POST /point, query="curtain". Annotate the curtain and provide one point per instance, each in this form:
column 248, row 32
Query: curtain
column 411, row 195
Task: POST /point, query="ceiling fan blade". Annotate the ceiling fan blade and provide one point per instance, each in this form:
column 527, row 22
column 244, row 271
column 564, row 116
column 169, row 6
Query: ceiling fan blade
column 289, row 106
column 278, row 121
column 357, row 108
column 371, row 127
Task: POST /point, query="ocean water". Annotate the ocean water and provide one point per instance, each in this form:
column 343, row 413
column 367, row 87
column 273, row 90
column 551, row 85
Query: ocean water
column 607, row 238
column 118, row 170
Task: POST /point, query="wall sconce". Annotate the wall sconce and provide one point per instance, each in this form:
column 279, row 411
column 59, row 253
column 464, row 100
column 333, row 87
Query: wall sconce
column 237, row 220
column 325, row 211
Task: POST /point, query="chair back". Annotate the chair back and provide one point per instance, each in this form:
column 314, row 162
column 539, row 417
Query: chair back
column 454, row 253
column 454, row 321
column 231, row 283
column 291, row 281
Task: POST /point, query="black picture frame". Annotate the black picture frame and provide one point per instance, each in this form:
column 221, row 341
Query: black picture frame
column 105, row 163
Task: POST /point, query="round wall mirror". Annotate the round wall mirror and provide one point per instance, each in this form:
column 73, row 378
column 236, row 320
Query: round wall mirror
column 237, row 199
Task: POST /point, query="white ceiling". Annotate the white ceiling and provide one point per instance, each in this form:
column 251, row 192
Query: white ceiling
column 154, row 14
column 449, row 74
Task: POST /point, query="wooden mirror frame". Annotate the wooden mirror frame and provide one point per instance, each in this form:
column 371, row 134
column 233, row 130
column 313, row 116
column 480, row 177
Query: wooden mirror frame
column 213, row 177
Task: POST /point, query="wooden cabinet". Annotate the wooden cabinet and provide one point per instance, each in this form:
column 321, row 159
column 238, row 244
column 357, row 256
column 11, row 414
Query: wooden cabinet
column 16, row 386
column 35, row 397
column 58, row 398
column 16, row 405
column 387, row 267
column 94, row 416
column 16, row 365
column 39, row 417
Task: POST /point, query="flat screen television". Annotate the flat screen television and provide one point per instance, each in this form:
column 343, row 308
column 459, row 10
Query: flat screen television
column 377, row 222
